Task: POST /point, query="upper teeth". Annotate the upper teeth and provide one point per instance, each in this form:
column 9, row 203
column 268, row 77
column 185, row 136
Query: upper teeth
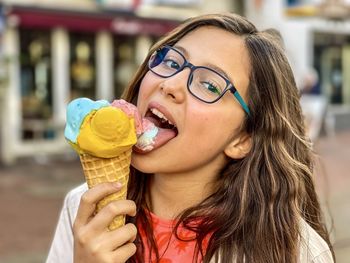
column 160, row 115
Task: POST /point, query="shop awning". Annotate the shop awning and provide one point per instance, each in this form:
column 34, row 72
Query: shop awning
column 120, row 23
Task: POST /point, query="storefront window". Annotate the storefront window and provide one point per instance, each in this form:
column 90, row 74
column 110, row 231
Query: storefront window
column 82, row 65
column 124, row 63
column 127, row 59
column 36, row 91
column 330, row 56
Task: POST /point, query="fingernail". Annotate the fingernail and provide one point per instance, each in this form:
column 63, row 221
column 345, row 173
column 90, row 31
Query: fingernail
column 117, row 185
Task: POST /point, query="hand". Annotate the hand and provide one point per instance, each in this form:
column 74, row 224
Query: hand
column 93, row 242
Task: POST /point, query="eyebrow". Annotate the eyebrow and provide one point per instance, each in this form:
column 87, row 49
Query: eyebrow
column 209, row 65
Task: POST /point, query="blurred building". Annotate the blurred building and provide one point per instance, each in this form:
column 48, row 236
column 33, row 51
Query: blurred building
column 316, row 34
column 54, row 51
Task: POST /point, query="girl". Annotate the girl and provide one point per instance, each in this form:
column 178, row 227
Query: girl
column 232, row 180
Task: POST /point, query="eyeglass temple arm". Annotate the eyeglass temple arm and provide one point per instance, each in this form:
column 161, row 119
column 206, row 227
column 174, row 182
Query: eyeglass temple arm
column 241, row 101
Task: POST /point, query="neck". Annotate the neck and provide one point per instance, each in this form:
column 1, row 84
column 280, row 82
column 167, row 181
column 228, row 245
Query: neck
column 171, row 194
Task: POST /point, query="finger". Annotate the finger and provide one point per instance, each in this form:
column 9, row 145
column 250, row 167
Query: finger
column 123, row 253
column 110, row 211
column 91, row 197
column 117, row 238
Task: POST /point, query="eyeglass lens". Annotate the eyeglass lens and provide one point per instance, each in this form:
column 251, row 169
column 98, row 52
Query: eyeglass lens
column 204, row 83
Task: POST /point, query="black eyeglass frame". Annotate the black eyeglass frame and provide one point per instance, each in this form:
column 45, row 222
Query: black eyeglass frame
column 229, row 86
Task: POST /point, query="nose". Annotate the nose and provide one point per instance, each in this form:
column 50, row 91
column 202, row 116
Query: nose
column 175, row 87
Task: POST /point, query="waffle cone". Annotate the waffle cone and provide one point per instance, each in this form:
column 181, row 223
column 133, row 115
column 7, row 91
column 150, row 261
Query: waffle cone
column 100, row 170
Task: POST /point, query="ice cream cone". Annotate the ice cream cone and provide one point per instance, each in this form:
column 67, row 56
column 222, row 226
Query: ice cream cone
column 103, row 136
column 100, row 170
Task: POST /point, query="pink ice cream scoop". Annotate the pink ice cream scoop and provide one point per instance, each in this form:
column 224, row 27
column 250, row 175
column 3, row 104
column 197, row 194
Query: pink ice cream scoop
column 146, row 130
column 130, row 110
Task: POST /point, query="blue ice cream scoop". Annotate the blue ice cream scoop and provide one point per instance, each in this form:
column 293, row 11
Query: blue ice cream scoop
column 77, row 110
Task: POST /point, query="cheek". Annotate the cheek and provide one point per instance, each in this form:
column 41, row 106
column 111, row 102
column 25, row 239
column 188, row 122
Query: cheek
column 212, row 127
column 144, row 92
column 147, row 85
column 212, row 116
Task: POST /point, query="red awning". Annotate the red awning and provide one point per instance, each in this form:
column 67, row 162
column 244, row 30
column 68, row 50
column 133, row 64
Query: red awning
column 120, row 23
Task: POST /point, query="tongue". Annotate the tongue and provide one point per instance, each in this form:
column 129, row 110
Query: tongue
column 163, row 136
column 159, row 138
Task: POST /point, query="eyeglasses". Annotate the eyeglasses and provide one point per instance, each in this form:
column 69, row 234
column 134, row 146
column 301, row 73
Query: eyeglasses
column 204, row 83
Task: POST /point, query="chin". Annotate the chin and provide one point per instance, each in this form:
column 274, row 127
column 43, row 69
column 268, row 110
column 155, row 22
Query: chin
column 149, row 164
column 143, row 163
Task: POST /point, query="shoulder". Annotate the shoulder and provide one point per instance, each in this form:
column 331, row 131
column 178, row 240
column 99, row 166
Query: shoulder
column 62, row 245
column 313, row 248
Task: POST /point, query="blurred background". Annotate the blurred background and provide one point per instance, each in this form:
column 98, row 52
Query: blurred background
column 54, row 51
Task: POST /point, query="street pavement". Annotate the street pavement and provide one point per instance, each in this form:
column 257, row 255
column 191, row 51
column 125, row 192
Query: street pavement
column 333, row 186
column 32, row 192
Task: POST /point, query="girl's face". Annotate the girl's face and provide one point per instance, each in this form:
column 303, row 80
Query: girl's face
column 204, row 131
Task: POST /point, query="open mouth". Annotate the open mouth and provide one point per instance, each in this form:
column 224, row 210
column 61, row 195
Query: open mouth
column 160, row 120
column 167, row 129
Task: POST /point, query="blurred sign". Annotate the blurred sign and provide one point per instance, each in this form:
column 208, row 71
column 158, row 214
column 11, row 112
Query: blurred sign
column 303, row 8
column 303, row 2
column 2, row 21
column 172, row 2
column 329, row 9
column 313, row 2
column 119, row 4
column 129, row 26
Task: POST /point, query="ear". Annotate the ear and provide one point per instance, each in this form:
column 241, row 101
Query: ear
column 239, row 147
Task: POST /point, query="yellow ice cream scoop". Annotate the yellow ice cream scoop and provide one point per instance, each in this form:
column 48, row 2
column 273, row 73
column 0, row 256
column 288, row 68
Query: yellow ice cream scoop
column 106, row 133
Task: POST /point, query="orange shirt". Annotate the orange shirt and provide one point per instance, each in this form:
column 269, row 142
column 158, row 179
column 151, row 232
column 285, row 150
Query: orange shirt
column 171, row 249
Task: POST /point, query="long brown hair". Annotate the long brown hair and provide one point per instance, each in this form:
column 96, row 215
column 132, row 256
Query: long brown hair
column 255, row 214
